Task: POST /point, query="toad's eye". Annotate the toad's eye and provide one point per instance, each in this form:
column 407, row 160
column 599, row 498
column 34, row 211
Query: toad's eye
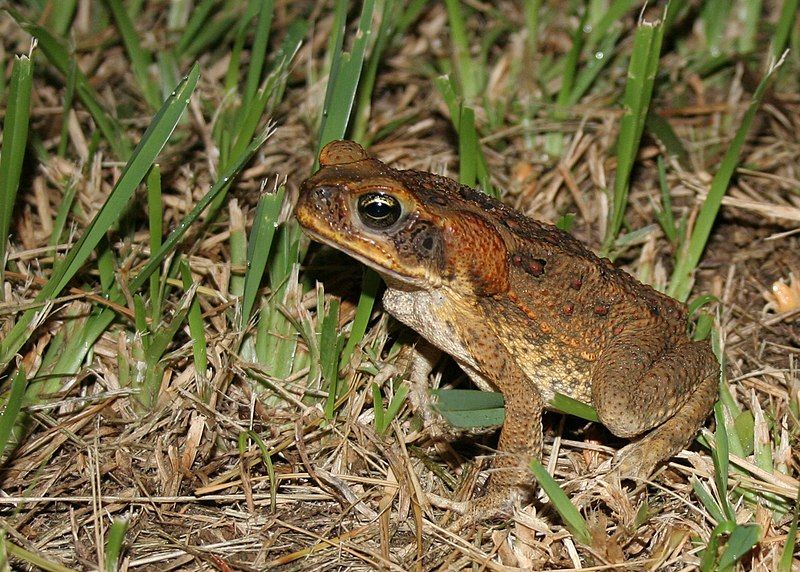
column 379, row 210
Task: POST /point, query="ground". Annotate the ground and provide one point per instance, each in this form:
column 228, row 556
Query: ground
column 249, row 444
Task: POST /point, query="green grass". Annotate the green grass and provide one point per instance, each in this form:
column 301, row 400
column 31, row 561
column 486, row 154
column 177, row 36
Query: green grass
column 140, row 59
column 688, row 258
column 135, row 170
column 59, row 56
column 573, row 519
column 15, row 137
column 642, row 71
column 114, row 541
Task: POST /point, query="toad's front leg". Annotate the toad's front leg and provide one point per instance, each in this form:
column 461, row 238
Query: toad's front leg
column 510, row 479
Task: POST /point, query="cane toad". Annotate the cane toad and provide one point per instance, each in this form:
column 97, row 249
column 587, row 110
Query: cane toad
column 523, row 307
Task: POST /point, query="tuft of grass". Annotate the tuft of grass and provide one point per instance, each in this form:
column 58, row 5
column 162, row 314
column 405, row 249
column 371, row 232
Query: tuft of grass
column 472, row 161
column 395, row 17
column 345, row 74
column 135, row 170
column 555, row 140
column 155, row 342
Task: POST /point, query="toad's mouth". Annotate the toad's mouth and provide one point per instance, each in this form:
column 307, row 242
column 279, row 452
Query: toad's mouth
column 367, row 251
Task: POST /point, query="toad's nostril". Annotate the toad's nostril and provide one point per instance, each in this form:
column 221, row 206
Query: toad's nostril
column 323, row 197
column 323, row 193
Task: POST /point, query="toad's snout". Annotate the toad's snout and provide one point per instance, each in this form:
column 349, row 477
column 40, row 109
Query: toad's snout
column 321, row 206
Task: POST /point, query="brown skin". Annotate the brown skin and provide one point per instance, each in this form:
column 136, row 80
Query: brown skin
column 522, row 306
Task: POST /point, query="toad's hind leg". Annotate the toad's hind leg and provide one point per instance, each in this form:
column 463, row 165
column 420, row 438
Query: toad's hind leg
column 668, row 392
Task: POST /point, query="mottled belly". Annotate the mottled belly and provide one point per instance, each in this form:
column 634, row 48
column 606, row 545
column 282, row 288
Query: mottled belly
column 554, row 373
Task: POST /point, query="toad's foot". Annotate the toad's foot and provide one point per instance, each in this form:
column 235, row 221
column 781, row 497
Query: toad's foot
column 632, row 462
column 491, row 507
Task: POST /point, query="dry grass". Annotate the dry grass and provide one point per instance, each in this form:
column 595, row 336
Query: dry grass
column 347, row 498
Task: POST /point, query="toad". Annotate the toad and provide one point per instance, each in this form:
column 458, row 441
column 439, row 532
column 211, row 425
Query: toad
column 523, row 307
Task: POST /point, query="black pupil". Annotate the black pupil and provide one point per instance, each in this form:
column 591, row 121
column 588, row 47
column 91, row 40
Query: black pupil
column 378, row 210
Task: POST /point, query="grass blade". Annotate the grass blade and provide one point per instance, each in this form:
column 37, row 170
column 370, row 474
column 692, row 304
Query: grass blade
column 463, row 119
column 573, row 520
column 196, row 330
column 258, row 248
column 140, row 59
column 468, row 73
column 638, row 91
column 722, row 462
column 554, row 141
column 571, row 406
column 467, row 147
column 469, row 407
column 61, row 15
column 386, row 31
column 708, row 501
column 39, row 562
column 787, row 556
column 258, row 52
column 15, row 139
column 741, row 541
column 249, row 116
column 396, row 402
column 783, row 28
column 8, row 420
column 681, row 280
column 343, row 83
column 377, row 409
column 612, row 15
column 196, row 22
column 60, row 57
column 114, row 540
column 330, row 344
column 155, row 218
column 366, row 301
column 69, row 95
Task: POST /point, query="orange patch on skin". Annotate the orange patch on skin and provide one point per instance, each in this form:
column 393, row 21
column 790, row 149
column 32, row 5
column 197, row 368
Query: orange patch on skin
column 477, row 253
